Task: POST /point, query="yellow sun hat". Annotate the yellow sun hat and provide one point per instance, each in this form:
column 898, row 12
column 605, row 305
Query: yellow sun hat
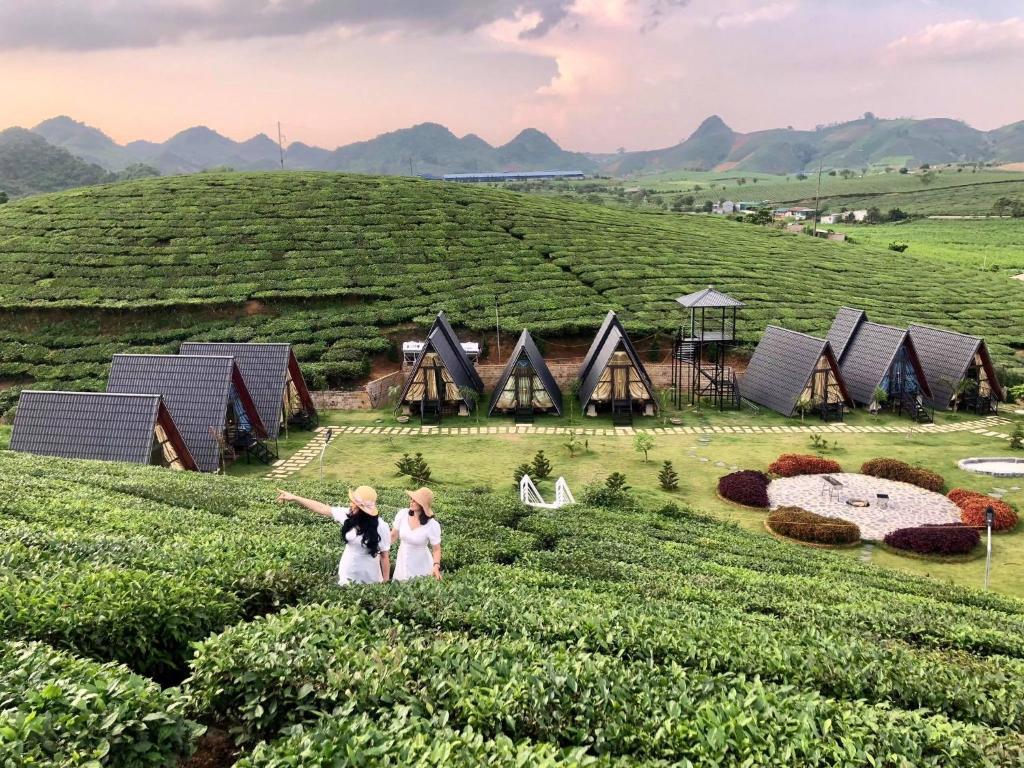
column 365, row 498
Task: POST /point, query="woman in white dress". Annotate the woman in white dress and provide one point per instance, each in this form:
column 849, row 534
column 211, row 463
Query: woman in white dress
column 367, row 555
column 419, row 534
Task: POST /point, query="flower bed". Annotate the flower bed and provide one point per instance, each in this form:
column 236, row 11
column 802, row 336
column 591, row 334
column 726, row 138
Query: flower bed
column 949, row 539
column 747, row 487
column 974, row 505
column 793, row 464
column 894, row 469
column 797, row 523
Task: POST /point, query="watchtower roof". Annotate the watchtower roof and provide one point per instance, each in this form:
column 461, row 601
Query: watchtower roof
column 708, row 298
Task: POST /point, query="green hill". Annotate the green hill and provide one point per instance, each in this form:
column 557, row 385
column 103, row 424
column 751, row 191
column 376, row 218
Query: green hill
column 636, row 636
column 335, row 263
column 29, row 164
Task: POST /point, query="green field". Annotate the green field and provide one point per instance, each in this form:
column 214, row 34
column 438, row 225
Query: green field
column 986, row 244
column 622, row 632
column 344, row 266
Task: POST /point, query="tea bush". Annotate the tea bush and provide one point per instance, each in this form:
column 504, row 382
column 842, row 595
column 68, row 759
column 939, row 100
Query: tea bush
column 943, row 539
column 748, row 487
column 793, row 464
column 894, row 469
column 802, row 525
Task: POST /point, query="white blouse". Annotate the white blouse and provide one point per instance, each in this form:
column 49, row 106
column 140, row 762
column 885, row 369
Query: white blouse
column 414, row 550
column 357, row 565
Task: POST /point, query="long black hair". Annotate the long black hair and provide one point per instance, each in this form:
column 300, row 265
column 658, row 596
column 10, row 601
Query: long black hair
column 424, row 517
column 366, row 528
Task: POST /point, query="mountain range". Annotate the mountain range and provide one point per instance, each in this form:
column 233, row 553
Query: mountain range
column 430, row 148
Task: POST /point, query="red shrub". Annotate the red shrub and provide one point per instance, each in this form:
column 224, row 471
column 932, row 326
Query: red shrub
column 793, row 464
column 893, row 469
column 959, row 495
column 748, row 487
column 797, row 523
column 942, row 539
column 972, row 512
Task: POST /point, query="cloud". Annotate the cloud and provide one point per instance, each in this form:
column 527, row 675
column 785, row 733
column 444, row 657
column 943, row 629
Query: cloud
column 961, row 40
column 80, row 25
column 770, row 12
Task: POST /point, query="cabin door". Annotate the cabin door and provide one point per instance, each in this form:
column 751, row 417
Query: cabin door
column 524, row 388
column 620, row 382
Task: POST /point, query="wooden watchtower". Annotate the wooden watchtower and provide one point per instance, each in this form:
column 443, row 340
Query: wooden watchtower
column 699, row 372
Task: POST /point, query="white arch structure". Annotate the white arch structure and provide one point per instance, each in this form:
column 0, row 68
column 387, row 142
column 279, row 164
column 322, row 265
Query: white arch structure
column 530, row 496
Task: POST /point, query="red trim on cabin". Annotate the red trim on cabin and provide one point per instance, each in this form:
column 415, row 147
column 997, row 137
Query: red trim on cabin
column 300, row 383
column 834, row 365
column 246, row 399
column 163, row 418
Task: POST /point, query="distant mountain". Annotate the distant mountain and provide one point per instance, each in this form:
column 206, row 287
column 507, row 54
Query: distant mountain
column 430, row 148
column 30, row 164
column 421, row 149
column 855, row 144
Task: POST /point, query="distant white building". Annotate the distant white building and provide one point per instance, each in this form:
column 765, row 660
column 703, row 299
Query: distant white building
column 797, row 213
column 724, row 207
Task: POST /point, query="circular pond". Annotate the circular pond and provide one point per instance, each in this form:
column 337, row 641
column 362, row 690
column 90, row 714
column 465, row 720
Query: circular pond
column 994, row 465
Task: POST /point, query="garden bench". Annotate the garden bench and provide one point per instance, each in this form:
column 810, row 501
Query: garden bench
column 832, row 486
column 883, row 500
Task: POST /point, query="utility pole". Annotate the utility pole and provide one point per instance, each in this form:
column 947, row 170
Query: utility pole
column 817, row 198
column 280, row 144
column 411, row 173
column 497, row 325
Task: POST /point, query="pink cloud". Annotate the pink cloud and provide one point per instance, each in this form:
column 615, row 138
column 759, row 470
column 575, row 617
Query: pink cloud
column 741, row 18
column 963, row 39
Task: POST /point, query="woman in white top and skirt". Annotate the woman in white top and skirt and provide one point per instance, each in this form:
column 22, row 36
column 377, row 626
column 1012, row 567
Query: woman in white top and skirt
column 419, row 534
column 366, row 558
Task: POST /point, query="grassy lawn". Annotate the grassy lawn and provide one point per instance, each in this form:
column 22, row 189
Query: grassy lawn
column 466, row 461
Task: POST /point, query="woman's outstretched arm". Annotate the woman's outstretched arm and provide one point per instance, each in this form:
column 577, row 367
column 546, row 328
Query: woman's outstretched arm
column 283, row 497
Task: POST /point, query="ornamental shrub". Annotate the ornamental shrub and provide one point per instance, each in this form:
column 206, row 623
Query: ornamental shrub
column 900, row 471
column 748, row 487
column 972, row 512
column 942, row 539
column 793, row 464
column 959, row 495
column 797, row 523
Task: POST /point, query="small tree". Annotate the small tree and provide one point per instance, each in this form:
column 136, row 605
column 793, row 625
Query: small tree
column 643, row 443
column 414, row 467
column 520, row 472
column 573, row 444
column 1017, row 437
column 3, row 197
column 541, row 467
column 963, row 387
column 616, row 483
column 574, row 396
column 664, row 403
column 668, row 478
column 471, row 396
column 879, row 397
column 804, row 404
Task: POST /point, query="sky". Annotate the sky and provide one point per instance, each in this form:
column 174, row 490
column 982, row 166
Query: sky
column 597, row 75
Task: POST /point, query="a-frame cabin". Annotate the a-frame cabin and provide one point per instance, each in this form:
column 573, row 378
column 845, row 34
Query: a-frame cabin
column 789, row 368
column 207, row 398
column 526, row 386
column 959, row 370
column 136, row 429
column 612, row 377
column 882, row 358
column 273, row 378
column 440, row 376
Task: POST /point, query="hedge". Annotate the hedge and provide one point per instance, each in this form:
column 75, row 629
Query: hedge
column 940, row 539
column 748, row 487
column 793, row 464
column 797, row 523
column 894, row 469
column 973, row 511
column 59, row 710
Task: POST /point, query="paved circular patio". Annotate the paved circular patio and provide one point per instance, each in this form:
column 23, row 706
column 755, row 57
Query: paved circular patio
column 908, row 505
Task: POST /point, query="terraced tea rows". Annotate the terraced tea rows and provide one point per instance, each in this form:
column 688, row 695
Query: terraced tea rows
column 630, row 637
column 334, row 262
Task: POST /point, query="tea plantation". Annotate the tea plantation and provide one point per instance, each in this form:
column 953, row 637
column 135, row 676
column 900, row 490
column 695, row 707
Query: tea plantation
column 620, row 636
column 342, row 266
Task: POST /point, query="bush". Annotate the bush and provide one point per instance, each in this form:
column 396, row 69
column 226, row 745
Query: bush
column 57, row 709
column 414, row 467
column 793, row 464
column 900, row 471
column 520, row 472
column 972, row 512
column 668, row 478
column 797, row 523
column 613, row 493
column 942, row 539
column 541, row 467
column 748, row 487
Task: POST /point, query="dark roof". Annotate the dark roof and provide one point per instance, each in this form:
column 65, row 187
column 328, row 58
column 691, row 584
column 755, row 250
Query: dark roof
column 86, row 425
column 843, row 328
column 264, row 368
column 869, row 356
column 610, row 337
column 708, row 297
column 782, row 366
column 945, row 357
column 461, row 359
column 195, row 389
column 527, row 345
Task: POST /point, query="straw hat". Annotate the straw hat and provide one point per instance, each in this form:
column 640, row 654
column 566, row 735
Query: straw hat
column 425, row 498
column 365, row 498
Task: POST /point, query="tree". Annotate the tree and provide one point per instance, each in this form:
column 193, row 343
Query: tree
column 1017, row 437
column 963, row 387
column 616, row 483
column 574, row 396
column 521, row 471
column 846, row 173
column 898, row 247
column 801, row 177
column 3, row 197
column 573, row 444
column 761, row 216
column 668, row 478
column 895, row 214
column 471, row 396
column 708, row 206
column 874, row 216
column 643, row 443
column 879, row 398
column 904, row 170
column 804, row 404
column 541, row 467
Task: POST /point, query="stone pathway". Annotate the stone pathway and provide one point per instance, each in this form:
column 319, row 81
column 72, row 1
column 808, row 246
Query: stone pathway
column 908, row 505
column 287, row 467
